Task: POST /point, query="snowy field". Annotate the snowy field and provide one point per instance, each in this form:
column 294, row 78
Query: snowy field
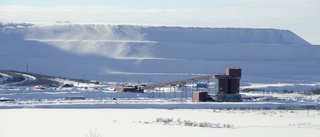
column 158, row 122
column 96, row 112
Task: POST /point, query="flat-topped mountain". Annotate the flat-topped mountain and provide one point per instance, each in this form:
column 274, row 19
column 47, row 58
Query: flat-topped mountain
column 159, row 53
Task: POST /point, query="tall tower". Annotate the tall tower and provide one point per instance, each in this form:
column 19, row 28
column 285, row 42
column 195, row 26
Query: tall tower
column 228, row 85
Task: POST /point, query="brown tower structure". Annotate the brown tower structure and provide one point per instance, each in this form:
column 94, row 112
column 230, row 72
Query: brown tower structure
column 228, row 85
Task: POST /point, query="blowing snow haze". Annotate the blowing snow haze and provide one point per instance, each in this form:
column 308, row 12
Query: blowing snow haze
column 144, row 53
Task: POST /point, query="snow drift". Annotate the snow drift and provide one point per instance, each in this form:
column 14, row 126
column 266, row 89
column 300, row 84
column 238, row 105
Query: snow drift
column 114, row 52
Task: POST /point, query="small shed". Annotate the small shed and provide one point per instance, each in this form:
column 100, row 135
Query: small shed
column 199, row 96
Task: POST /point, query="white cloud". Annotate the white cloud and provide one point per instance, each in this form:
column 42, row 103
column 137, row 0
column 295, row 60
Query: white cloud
column 297, row 16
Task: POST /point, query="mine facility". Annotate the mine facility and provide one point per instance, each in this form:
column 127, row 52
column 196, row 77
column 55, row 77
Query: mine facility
column 227, row 87
column 130, row 88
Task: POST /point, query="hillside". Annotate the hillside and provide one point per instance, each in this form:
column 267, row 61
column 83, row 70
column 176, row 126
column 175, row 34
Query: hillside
column 158, row 54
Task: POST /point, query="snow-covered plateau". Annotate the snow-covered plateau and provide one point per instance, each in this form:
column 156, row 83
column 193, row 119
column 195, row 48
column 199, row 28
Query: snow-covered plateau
column 157, row 53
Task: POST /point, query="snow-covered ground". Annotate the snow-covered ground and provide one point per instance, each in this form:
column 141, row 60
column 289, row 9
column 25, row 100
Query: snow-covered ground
column 158, row 122
column 277, row 64
column 105, row 113
column 3, row 77
column 100, row 96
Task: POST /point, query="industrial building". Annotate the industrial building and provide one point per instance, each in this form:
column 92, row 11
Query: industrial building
column 227, row 87
column 130, row 88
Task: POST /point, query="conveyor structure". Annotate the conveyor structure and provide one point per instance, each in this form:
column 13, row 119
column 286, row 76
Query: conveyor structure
column 227, row 87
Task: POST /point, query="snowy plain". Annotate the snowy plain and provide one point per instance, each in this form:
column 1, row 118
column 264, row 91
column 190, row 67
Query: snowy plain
column 147, row 122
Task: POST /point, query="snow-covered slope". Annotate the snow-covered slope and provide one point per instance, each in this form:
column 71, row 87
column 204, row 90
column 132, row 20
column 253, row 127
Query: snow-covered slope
column 3, row 77
column 221, row 35
column 144, row 53
column 129, row 33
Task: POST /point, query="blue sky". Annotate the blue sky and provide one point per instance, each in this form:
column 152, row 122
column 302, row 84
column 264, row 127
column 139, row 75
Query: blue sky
column 301, row 17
